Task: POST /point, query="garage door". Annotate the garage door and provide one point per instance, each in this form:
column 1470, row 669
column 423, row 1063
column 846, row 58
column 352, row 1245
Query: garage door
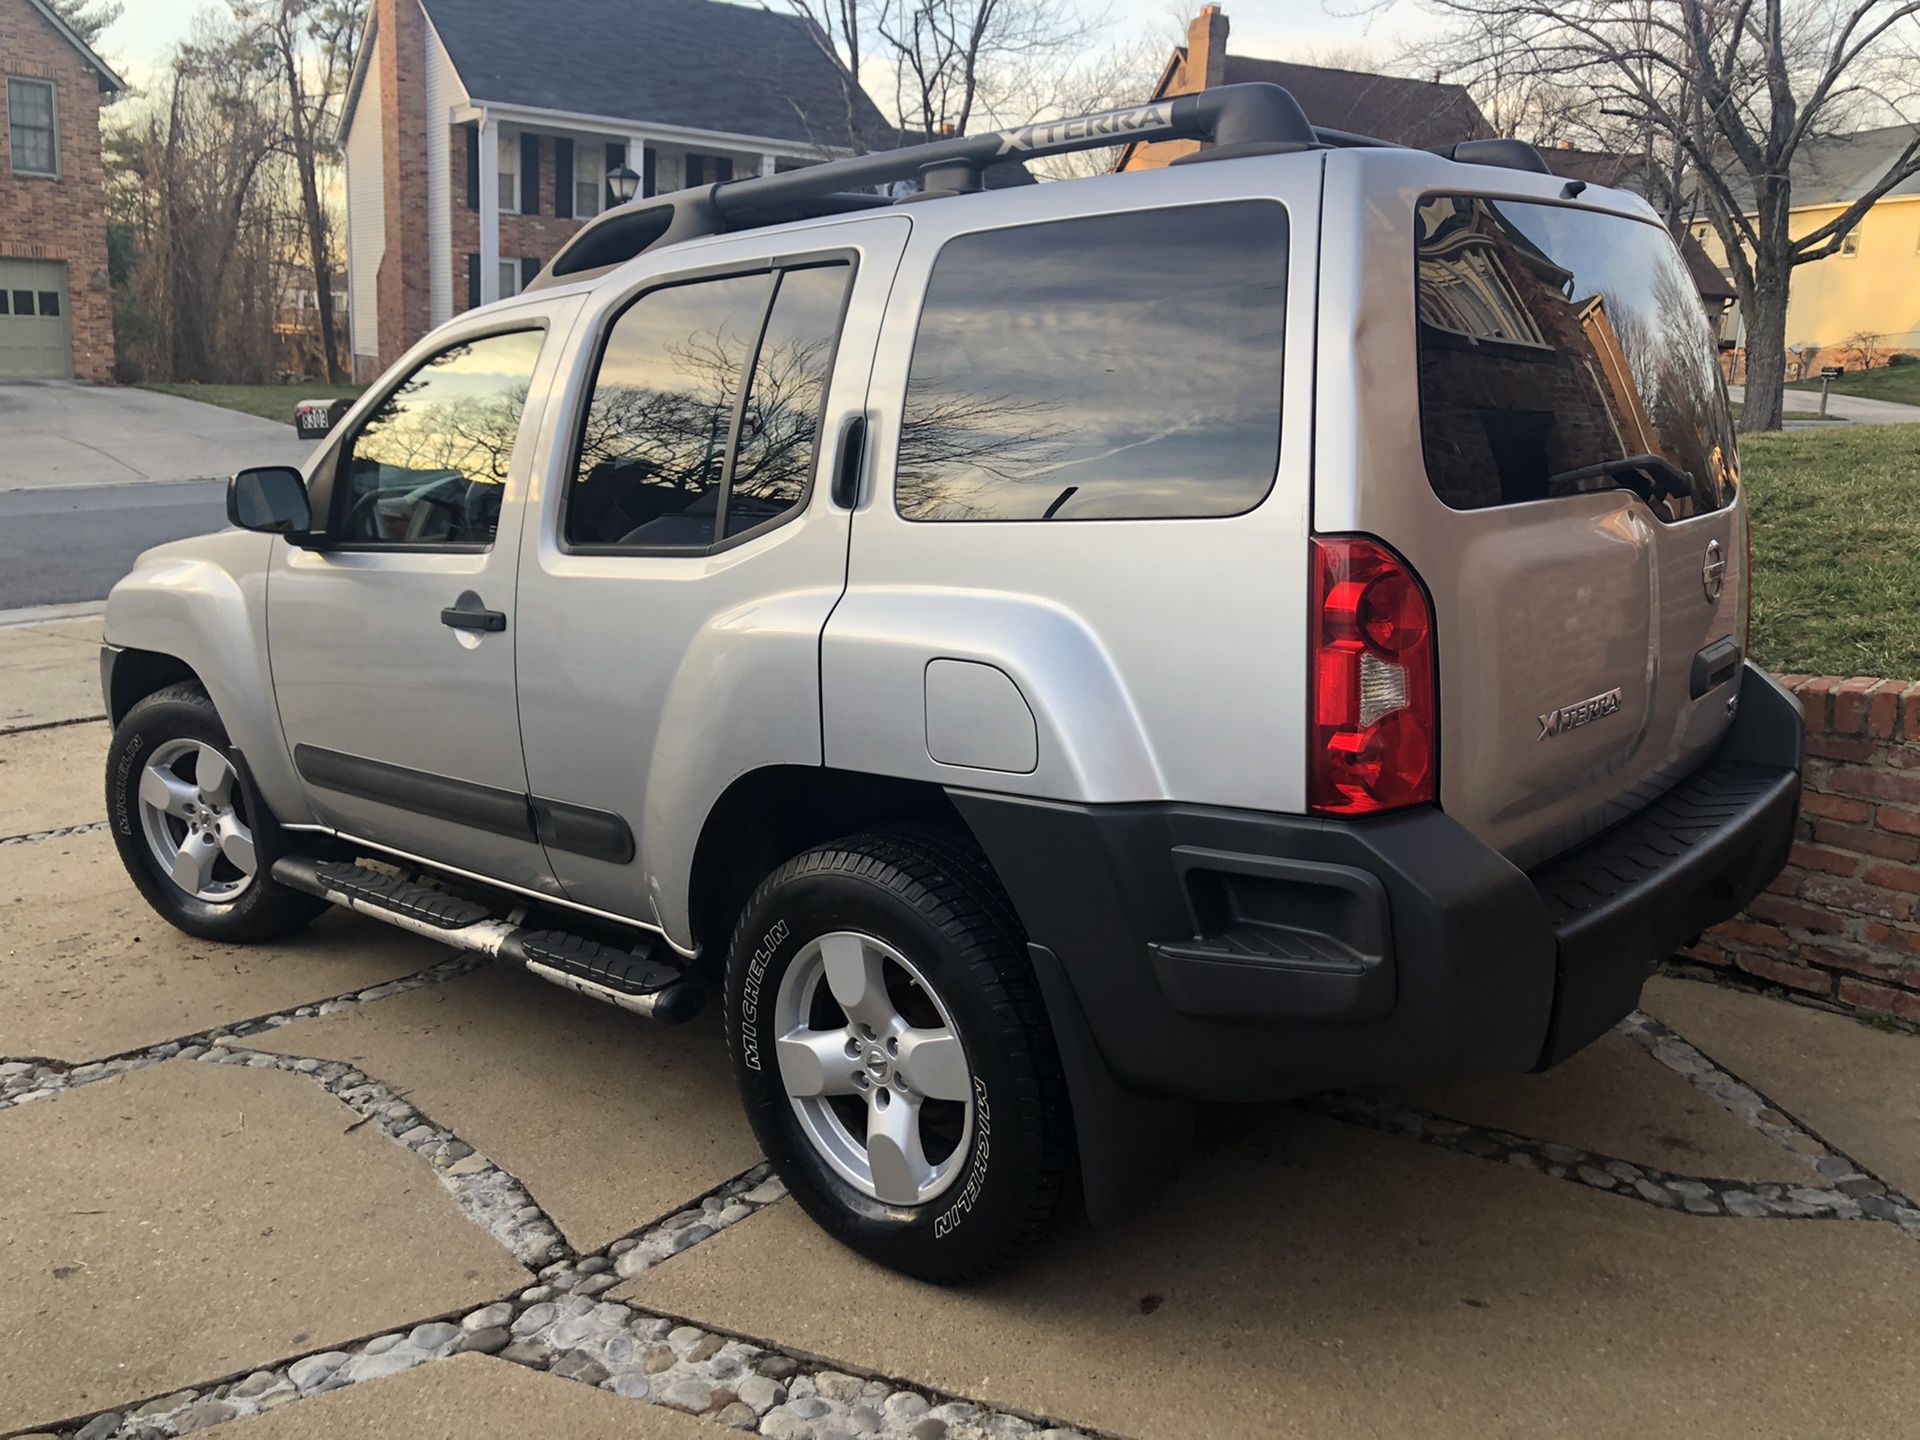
column 33, row 320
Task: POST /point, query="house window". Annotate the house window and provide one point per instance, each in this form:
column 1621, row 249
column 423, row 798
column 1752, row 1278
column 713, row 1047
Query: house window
column 509, row 172
column 589, row 180
column 1851, row 245
column 30, row 112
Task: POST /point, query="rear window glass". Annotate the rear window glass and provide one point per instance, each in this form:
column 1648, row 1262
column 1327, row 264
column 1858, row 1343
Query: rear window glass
column 1117, row 367
column 1564, row 351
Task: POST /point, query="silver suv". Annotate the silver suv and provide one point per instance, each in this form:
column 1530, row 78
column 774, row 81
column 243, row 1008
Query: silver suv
column 1050, row 654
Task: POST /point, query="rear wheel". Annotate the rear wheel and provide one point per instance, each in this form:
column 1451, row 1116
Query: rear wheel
column 894, row 1054
column 184, row 827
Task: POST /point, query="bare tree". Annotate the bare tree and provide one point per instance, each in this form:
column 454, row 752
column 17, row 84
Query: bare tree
column 1863, row 347
column 1722, row 97
column 945, row 62
column 311, row 46
column 193, row 189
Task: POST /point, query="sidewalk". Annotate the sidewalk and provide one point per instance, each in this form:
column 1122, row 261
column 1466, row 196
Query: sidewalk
column 1857, row 408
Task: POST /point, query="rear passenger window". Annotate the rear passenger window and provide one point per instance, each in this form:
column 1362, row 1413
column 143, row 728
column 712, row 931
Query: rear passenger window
column 674, row 455
column 1113, row 368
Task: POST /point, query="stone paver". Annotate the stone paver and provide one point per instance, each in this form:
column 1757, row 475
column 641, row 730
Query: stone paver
column 474, row 1397
column 609, row 1121
column 52, row 777
column 1857, row 1087
column 87, row 970
column 1314, row 1279
column 1616, row 1100
column 52, row 673
column 190, row 1220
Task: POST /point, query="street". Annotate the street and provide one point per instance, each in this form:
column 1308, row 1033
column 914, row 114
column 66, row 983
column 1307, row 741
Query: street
column 71, row 543
column 92, row 475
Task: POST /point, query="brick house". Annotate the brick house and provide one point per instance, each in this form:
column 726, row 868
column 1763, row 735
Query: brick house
column 479, row 135
column 56, row 310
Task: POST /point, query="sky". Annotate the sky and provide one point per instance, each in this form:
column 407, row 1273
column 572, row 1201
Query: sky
column 1274, row 29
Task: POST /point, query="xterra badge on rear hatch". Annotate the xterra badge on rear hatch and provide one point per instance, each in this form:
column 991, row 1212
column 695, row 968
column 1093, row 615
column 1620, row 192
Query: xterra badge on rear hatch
column 1572, row 717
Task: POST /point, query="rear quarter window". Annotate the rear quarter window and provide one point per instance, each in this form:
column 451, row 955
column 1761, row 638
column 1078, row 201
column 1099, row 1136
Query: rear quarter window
column 1557, row 347
column 1115, row 367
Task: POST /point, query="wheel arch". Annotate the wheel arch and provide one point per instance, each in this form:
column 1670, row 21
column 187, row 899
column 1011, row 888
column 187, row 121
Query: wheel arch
column 771, row 814
column 129, row 675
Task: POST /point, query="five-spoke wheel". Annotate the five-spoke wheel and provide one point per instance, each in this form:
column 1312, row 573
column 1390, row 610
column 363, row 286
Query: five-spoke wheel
column 877, row 1076
column 191, row 813
column 194, row 836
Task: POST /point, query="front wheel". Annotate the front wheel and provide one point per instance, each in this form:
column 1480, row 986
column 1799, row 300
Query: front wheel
column 182, row 824
column 894, row 1054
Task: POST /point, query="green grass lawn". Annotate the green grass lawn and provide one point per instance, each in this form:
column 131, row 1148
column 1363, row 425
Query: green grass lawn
column 1899, row 383
column 269, row 402
column 1836, row 549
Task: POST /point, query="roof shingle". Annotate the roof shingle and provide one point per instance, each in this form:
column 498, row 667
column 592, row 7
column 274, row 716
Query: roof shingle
column 697, row 64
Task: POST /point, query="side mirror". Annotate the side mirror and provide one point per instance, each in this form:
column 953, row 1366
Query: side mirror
column 315, row 419
column 271, row 499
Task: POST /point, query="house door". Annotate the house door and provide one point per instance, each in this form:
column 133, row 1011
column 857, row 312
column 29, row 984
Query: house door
column 34, row 340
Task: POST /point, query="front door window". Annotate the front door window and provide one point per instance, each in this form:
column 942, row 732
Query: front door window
column 429, row 464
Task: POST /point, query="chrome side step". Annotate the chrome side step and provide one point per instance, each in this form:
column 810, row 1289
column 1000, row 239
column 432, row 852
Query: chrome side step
column 633, row 980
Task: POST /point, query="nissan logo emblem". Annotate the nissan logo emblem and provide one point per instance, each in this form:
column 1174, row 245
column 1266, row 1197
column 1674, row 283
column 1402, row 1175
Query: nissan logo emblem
column 1713, row 571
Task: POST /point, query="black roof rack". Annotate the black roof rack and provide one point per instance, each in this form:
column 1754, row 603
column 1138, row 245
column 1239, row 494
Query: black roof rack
column 1246, row 119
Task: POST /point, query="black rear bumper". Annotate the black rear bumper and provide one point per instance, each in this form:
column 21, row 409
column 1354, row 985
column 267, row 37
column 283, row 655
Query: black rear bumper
column 1228, row 955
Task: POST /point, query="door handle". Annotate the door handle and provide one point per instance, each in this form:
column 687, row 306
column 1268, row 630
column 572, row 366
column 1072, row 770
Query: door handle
column 853, row 454
column 468, row 614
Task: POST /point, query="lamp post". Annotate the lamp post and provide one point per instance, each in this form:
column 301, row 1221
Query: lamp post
column 623, row 184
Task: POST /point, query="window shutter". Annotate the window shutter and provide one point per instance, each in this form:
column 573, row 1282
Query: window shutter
column 473, row 281
column 722, row 167
column 530, row 175
column 647, row 178
column 473, row 166
column 563, row 178
column 529, row 267
column 696, row 170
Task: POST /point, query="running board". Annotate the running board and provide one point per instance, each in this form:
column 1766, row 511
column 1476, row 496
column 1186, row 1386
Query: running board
column 634, row 981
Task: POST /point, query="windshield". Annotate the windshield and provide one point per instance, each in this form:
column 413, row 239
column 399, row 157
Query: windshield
column 1564, row 351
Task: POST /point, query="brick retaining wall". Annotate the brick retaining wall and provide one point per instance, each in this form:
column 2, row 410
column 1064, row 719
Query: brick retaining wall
column 1842, row 923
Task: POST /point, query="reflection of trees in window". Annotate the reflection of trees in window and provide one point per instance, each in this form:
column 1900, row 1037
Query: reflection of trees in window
column 958, row 446
column 430, row 462
column 472, row 435
column 780, row 421
column 655, row 450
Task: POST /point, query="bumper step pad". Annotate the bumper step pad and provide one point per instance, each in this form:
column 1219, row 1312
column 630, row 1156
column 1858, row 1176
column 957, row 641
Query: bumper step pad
column 633, row 980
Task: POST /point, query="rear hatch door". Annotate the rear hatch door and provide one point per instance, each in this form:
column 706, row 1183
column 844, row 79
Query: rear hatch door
column 1565, row 483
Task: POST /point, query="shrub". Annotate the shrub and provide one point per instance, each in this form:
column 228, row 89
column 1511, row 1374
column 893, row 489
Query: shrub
column 128, row 372
column 1903, row 357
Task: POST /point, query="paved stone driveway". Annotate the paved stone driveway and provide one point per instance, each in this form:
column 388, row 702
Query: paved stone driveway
column 356, row 1185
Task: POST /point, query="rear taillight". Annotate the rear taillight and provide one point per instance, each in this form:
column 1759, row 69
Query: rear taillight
column 1375, row 736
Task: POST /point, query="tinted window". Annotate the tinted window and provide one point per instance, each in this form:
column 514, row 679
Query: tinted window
column 1564, row 351
column 1119, row 367
column 780, row 426
column 429, row 464
column 660, row 463
column 654, row 451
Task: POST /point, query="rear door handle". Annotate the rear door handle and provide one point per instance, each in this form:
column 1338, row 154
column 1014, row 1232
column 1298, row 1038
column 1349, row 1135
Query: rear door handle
column 853, row 456
column 473, row 619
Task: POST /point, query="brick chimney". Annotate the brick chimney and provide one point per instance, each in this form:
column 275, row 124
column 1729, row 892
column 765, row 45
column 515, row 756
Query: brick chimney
column 402, row 287
column 1206, row 64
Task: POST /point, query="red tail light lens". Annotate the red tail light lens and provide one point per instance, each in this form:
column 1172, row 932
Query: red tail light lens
column 1375, row 736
